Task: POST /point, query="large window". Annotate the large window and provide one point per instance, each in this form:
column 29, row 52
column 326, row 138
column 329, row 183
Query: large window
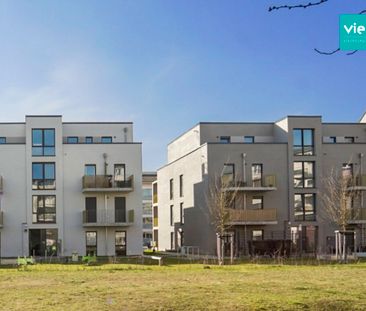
column 43, row 142
column 91, row 243
column 304, row 207
column 303, row 142
column 43, row 176
column 120, row 243
column 44, row 209
column 120, row 209
column 43, row 242
column 228, row 174
column 304, row 176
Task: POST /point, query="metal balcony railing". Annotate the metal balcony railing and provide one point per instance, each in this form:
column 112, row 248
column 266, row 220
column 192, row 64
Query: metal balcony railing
column 253, row 216
column 106, row 182
column 268, row 182
column 156, row 221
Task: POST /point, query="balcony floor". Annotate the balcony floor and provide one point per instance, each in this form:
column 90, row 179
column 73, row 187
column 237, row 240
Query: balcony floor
column 91, row 190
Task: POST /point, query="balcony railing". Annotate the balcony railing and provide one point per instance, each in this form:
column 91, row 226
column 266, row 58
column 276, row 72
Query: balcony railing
column 107, row 219
column 156, row 221
column 267, row 183
column 358, row 215
column 360, row 181
column 1, row 184
column 106, row 183
column 1, row 218
column 248, row 216
column 155, row 198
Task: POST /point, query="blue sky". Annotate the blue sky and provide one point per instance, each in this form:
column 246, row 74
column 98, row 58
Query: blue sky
column 166, row 65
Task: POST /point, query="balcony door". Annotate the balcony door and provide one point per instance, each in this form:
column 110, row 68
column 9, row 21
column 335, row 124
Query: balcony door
column 120, row 243
column 91, row 209
column 43, row 242
column 119, row 174
column 257, row 171
column 120, row 209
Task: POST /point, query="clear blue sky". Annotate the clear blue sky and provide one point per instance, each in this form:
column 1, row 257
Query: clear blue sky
column 166, row 65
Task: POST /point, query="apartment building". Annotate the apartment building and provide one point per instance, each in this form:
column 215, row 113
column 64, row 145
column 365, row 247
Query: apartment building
column 147, row 216
column 278, row 170
column 69, row 187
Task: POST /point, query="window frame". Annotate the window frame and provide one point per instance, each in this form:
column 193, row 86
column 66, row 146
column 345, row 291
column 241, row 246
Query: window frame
column 303, row 215
column 44, row 208
column 261, row 197
column 90, row 165
column 225, row 139
column 303, row 178
column 2, row 140
column 91, row 246
column 106, row 137
column 171, row 188
column 87, row 138
column 233, row 172
column 252, row 139
column 43, row 145
column 257, row 230
column 69, row 138
column 181, row 189
column 303, row 146
column 171, row 215
column 181, row 213
column 37, row 186
column 351, row 138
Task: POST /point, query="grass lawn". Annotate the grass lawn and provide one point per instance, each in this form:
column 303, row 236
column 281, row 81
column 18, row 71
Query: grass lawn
column 184, row 287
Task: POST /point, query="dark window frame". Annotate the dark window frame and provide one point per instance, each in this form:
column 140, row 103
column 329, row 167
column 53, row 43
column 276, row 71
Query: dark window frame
column 181, row 188
column 43, row 180
column 351, row 138
column 303, row 146
column 303, row 179
column 91, row 246
column 172, row 242
column 262, row 235
column 171, row 188
column 2, row 140
column 303, row 216
column 252, row 139
column 44, row 209
column 43, row 145
column 171, row 215
column 120, row 214
column 255, row 181
column 225, row 139
column 90, row 165
column 106, row 137
column 332, row 139
column 262, row 201
column 181, row 211
column 70, row 138
column 89, row 138
column 233, row 171
column 121, row 248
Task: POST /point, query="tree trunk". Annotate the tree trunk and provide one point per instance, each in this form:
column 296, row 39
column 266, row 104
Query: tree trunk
column 218, row 242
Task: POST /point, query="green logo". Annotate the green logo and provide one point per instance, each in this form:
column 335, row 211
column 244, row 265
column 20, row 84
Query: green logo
column 352, row 32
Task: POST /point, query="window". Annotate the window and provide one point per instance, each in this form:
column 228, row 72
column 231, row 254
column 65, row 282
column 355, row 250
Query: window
column 332, row 139
column 106, row 139
column 225, row 139
column 171, row 189
column 43, row 242
column 88, row 140
column 257, row 170
column 257, row 202
column 147, row 194
column 120, row 243
column 228, row 174
column 349, row 140
column 147, row 223
column 90, row 210
column 257, row 235
column 43, row 176
column 181, row 214
column 43, row 142
column 120, row 175
column 2, row 140
column 171, row 215
column 171, row 240
column 249, row 139
column 304, row 207
column 303, row 142
column 304, row 176
column 44, row 209
column 347, row 170
column 91, row 243
column 120, row 209
column 90, row 170
column 147, row 209
column 72, row 140
column 156, row 216
column 181, row 185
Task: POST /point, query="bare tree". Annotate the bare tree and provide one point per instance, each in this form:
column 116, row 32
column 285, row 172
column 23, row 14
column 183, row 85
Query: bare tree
column 305, row 6
column 340, row 191
column 220, row 200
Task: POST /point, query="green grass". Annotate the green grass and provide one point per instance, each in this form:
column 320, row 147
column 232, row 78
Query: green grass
column 184, row 287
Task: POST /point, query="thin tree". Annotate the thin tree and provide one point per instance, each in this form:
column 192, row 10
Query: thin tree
column 221, row 198
column 339, row 192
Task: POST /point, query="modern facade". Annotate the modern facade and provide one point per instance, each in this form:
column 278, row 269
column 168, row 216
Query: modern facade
column 277, row 169
column 147, row 216
column 69, row 187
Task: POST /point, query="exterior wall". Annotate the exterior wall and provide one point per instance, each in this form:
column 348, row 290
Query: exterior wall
column 147, row 229
column 16, row 197
column 273, row 148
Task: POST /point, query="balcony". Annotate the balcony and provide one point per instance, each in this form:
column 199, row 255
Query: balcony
column 358, row 216
column 1, row 219
column 1, row 184
column 106, row 183
column 107, row 219
column 359, row 183
column 268, row 183
column 156, row 222
column 253, row 217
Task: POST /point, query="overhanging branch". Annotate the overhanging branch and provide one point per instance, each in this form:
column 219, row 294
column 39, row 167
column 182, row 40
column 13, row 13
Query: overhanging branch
column 296, row 6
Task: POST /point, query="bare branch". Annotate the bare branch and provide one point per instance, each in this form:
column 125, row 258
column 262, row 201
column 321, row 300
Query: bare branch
column 304, row 6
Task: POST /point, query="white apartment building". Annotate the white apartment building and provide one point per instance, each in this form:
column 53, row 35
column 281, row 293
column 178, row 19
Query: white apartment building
column 69, row 187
